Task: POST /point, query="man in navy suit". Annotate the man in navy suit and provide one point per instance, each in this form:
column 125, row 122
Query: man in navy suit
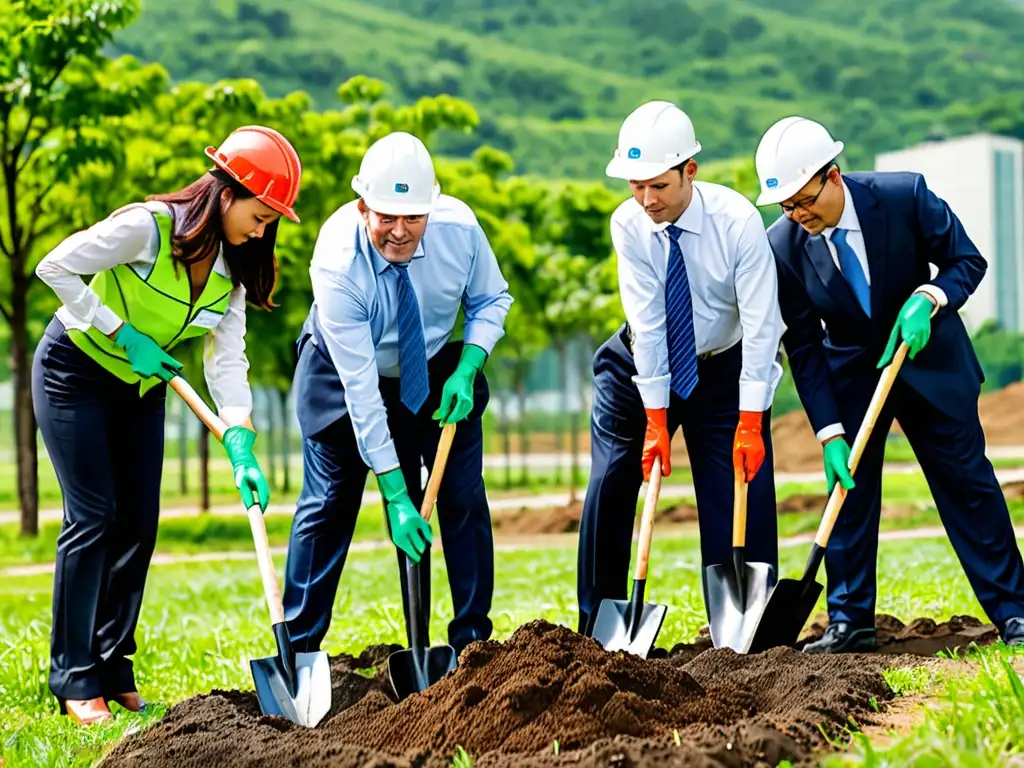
column 853, row 252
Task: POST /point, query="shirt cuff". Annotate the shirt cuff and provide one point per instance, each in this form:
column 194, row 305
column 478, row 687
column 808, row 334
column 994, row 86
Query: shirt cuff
column 233, row 415
column 832, row 430
column 105, row 320
column 654, row 391
column 755, row 396
column 382, row 459
column 483, row 335
column 935, row 292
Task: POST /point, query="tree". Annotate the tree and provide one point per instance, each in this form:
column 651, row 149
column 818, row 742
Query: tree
column 55, row 86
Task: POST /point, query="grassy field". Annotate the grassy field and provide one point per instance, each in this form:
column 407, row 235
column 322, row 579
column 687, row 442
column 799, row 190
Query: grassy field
column 201, row 624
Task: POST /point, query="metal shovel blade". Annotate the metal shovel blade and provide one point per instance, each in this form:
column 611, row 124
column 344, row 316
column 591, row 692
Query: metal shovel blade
column 735, row 604
column 413, row 670
column 310, row 700
column 788, row 609
column 613, row 630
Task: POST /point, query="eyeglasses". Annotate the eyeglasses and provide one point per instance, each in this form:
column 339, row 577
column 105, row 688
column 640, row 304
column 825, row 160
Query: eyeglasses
column 808, row 201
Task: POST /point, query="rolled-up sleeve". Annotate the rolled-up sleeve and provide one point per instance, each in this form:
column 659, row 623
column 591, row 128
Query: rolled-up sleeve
column 343, row 315
column 757, row 296
column 643, row 301
column 486, row 300
column 118, row 239
column 225, row 364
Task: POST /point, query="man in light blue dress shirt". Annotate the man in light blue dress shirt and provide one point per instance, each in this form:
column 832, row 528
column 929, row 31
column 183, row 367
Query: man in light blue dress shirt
column 699, row 351
column 377, row 377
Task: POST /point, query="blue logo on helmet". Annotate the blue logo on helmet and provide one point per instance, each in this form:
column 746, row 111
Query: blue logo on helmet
column 634, row 153
column 401, row 188
column 772, row 183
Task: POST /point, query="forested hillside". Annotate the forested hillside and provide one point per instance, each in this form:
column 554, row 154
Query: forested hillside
column 552, row 80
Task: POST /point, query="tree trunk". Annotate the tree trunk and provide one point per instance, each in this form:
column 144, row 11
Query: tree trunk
column 524, row 429
column 204, row 470
column 286, row 448
column 559, row 421
column 506, row 436
column 183, row 421
column 269, row 439
column 574, row 440
column 24, row 416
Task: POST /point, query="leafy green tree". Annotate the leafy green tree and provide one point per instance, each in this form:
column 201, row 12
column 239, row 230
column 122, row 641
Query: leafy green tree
column 55, row 89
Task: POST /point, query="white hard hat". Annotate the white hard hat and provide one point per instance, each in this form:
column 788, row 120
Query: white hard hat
column 788, row 156
column 396, row 176
column 654, row 137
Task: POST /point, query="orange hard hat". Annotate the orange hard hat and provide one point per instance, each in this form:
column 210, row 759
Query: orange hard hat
column 264, row 162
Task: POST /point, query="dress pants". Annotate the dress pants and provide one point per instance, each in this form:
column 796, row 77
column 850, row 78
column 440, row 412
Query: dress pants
column 708, row 417
column 106, row 446
column 334, row 477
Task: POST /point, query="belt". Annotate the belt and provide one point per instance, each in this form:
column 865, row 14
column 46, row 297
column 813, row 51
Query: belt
column 629, row 339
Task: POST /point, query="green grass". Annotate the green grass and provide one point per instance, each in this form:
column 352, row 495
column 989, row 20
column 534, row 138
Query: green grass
column 201, row 623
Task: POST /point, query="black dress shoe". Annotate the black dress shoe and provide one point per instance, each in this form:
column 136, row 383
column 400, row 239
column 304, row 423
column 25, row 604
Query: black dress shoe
column 842, row 637
column 1013, row 631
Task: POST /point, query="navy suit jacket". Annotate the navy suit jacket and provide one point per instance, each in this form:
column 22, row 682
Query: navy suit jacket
column 906, row 227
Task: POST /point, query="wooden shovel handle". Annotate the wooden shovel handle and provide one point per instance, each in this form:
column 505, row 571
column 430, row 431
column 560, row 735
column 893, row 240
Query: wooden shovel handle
column 271, row 587
column 838, row 495
column 739, row 508
column 444, row 446
column 643, row 551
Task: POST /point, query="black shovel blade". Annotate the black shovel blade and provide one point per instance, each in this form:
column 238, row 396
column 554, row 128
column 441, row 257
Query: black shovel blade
column 615, row 629
column 413, row 670
column 785, row 615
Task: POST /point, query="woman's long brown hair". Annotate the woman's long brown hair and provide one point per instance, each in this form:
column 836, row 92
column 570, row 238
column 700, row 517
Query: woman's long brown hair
column 198, row 233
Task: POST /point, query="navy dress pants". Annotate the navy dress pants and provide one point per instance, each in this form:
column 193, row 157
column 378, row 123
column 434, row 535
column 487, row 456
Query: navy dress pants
column 334, row 479
column 708, row 417
column 106, row 446
column 967, row 497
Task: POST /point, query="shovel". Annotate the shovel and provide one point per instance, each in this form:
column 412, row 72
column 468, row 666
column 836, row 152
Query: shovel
column 735, row 594
column 296, row 686
column 633, row 626
column 416, row 668
column 791, row 602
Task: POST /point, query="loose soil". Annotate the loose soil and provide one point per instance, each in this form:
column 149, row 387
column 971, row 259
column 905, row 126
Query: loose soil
column 548, row 696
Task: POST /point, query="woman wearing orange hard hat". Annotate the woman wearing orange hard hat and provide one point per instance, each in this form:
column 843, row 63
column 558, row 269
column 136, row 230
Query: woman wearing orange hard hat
column 177, row 266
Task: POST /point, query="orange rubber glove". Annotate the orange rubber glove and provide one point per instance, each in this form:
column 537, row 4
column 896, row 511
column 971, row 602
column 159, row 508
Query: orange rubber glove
column 748, row 447
column 657, row 442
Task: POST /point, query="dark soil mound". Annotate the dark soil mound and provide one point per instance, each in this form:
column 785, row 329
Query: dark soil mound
column 546, row 696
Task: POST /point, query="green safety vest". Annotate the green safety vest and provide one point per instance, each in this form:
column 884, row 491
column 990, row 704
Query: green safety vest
column 157, row 300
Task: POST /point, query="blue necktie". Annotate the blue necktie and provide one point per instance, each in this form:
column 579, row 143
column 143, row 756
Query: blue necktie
column 849, row 265
column 682, row 346
column 412, row 350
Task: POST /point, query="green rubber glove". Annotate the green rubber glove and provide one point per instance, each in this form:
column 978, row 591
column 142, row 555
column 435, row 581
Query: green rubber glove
column 837, row 464
column 457, row 395
column 249, row 478
column 914, row 324
column 410, row 532
column 145, row 355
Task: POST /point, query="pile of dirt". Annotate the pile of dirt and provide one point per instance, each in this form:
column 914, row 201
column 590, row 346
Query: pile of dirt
column 547, row 696
column 921, row 637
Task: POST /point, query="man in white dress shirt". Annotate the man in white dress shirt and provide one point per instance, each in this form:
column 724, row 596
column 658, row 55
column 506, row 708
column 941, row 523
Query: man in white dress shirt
column 699, row 350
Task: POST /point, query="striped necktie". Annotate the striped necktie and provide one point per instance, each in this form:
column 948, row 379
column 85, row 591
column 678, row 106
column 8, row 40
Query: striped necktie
column 682, row 346
column 412, row 350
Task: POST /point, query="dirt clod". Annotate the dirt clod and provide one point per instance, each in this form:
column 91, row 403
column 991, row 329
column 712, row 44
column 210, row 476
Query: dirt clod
column 546, row 696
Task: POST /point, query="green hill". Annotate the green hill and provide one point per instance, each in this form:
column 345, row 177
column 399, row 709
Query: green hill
column 553, row 80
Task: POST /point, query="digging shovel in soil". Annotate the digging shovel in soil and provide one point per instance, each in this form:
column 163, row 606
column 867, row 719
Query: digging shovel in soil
column 634, row 625
column 416, row 668
column 792, row 601
column 736, row 593
column 296, row 686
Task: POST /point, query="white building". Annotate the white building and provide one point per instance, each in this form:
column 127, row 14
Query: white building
column 982, row 178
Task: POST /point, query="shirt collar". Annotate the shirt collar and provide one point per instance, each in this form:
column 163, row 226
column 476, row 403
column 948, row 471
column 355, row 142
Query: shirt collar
column 689, row 220
column 848, row 220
